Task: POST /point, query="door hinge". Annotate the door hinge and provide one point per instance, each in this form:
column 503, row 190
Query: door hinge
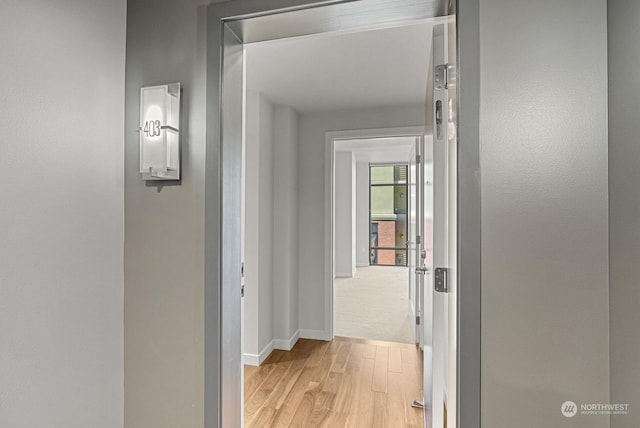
column 418, row 240
column 440, row 77
column 441, row 283
column 418, row 320
column 418, row 159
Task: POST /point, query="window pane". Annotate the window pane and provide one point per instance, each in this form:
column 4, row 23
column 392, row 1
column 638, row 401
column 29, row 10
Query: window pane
column 382, row 175
column 382, row 203
column 388, row 257
column 388, row 174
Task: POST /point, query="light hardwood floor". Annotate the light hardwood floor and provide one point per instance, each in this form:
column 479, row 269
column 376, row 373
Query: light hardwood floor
column 344, row 383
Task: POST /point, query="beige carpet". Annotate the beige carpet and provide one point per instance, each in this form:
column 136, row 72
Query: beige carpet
column 373, row 304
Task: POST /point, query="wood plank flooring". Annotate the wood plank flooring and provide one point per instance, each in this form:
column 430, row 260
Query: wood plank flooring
column 344, row 383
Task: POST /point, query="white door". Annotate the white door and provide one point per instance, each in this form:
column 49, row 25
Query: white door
column 415, row 242
column 425, row 269
column 440, row 295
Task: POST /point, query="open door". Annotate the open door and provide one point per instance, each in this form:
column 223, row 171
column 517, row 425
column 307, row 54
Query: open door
column 444, row 227
column 415, row 242
column 440, row 297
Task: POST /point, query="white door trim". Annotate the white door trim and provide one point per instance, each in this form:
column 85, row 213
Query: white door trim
column 329, row 202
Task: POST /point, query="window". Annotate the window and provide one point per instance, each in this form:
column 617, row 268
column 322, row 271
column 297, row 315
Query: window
column 388, row 187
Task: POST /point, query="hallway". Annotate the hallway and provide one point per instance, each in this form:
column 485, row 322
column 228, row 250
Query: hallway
column 344, row 383
column 373, row 304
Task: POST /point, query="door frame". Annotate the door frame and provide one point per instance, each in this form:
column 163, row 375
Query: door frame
column 329, row 202
column 222, row 68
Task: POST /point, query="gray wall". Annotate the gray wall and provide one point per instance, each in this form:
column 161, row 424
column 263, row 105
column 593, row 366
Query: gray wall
column 164, row 226
column 624, row 207
column 543, row 139
column 311, row 201
column 61, row 215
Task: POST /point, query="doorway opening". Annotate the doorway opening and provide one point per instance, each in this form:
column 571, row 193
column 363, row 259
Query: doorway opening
column 290, row 106
column 288, row 116
column 371, row 288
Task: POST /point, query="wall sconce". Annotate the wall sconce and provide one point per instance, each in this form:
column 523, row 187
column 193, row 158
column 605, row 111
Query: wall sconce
column 160, row 132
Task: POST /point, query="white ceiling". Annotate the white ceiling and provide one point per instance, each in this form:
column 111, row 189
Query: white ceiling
column 378, row 150
column 371, row 68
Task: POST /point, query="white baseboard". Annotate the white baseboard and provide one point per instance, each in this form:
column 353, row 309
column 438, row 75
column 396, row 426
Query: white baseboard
column 315, row 334
column 256, row 360
column 251, row 360
column 286, row 344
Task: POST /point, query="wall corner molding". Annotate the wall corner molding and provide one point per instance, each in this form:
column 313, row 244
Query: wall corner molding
column 257, row 359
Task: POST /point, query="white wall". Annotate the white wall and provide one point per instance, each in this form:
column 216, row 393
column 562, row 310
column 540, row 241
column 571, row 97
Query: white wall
column 344, row 215
column 259, row 221
column 354, row 205
column 271, row 228
column 285, row 227
column 251, row 224
column 265, row 224
column 362, row 214
column 624, row 207
column 62, row 210
column 543, row 157
column 312, row 262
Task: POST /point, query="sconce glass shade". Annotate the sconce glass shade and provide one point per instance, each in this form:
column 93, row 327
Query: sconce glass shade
column 160, row 132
